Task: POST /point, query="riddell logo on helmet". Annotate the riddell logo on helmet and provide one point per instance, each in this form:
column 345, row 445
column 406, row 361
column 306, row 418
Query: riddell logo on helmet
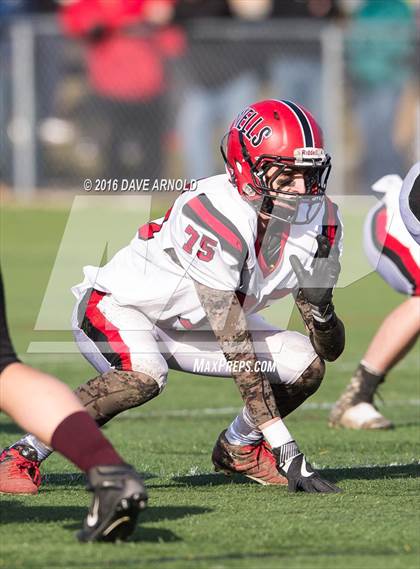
column 248, row 122
column 309, row 153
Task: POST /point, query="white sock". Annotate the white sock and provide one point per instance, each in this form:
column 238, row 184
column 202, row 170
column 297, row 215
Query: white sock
column 42, row 450
column 371, row 369
column 242, row 430
column 277, row 434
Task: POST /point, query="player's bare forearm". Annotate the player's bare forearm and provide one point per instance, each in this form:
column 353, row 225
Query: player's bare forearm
column 228, row 322
column 327, row 338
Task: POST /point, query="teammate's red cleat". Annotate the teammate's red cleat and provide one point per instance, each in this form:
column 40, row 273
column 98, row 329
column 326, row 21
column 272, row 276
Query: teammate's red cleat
column 254, row 461
column 19, row 470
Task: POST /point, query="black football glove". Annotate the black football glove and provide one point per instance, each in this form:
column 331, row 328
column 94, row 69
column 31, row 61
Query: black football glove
column 317, row 286
column 300, row 474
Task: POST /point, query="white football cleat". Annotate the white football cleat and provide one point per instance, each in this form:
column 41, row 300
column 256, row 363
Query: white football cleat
column 355, row 408
column 364, row 416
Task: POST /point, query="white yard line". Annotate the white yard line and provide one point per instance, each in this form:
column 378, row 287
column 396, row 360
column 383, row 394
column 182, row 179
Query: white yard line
column 215, row 411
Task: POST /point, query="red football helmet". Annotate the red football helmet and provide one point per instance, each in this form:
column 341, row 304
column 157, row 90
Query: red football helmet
column 283, row 139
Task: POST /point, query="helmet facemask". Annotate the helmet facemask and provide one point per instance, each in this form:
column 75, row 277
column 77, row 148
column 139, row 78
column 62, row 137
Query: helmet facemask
column 292, row 207
column 271, row 175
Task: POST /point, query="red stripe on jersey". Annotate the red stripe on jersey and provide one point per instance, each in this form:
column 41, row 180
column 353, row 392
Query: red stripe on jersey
column 167, row 214
column 110, row 331
column 389, row 242
column 380, row 225
column 198, row 207
column 148, row 230
column 332, row 221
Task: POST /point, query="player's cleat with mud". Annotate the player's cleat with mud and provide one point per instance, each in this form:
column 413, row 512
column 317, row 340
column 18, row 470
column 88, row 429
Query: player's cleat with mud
column 119, row 496
column 19, row 470
column 355, row 408
column 363, row 416
column 256, row 462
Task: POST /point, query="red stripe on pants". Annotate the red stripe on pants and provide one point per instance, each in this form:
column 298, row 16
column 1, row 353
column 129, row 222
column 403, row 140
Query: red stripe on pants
column 110, row 331
column 391, row 243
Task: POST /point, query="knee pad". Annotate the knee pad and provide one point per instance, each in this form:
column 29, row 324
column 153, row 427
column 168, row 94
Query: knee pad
column 115, row 391
column 310, row 380
column 289, row 396
column 292, row 352
column 154, row 367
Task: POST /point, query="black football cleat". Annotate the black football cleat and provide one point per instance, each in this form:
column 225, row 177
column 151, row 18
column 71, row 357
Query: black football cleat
column 119, row 496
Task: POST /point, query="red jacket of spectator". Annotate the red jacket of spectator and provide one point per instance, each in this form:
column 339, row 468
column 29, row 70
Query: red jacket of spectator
column 125, row 52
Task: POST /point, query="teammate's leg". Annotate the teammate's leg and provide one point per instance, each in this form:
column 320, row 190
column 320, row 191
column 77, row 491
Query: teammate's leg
column 53, row 412
column 395, row 337
column 107, row 343
column 394, row 255
column 36, row 400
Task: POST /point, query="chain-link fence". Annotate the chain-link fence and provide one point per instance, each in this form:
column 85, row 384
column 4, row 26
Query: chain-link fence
column 173, row 99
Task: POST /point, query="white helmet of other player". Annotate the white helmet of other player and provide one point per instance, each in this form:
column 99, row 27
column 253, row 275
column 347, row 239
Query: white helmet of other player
column 410, row 202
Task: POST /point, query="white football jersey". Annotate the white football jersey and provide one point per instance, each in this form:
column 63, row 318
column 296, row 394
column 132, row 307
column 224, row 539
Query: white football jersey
column 210, row 236
column 390, row 248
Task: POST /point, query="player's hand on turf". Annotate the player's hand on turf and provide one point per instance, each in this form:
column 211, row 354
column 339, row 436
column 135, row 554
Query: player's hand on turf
column 299, row 473
column 317, row 286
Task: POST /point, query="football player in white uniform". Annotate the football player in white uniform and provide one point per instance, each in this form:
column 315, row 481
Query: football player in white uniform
column 189, row 286
column 395, row 255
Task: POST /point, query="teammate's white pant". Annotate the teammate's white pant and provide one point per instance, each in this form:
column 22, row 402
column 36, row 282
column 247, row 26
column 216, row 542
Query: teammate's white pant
column 391, row 250
column 123, row 337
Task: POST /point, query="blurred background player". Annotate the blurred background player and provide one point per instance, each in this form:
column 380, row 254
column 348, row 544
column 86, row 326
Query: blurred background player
column 395, row 255
column 54, row 413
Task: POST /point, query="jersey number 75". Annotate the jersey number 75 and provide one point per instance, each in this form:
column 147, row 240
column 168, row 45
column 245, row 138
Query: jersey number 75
column 207, row 244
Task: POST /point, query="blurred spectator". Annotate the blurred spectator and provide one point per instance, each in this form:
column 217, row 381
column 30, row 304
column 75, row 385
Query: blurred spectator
column 380, row 51
column 127, row 45
column 218, row 77
column 295, row 68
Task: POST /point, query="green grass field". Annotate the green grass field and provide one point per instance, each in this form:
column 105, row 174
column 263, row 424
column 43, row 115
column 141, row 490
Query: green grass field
column 198, row 519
